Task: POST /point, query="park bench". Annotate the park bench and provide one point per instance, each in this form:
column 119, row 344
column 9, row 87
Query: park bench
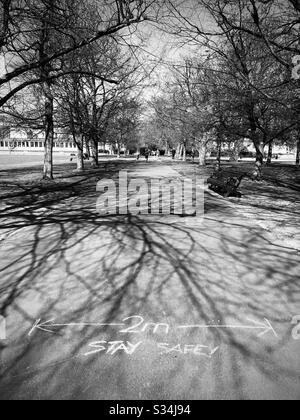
column 225, row 186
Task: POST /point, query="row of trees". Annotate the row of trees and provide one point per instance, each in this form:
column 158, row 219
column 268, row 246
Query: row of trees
column 238, row 84
column 67, row 63
column 63, row 64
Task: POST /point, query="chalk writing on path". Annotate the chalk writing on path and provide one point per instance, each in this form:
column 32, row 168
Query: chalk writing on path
column 136, row 325
column 195, row 349
column 112, row 347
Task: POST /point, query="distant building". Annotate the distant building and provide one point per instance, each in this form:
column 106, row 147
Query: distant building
column 31, row 141
column 23, row 141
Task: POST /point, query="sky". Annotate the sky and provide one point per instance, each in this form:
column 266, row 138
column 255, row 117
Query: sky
column 158, row 48
column 164, row 49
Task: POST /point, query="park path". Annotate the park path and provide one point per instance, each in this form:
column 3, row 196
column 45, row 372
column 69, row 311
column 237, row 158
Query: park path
column 197, row 309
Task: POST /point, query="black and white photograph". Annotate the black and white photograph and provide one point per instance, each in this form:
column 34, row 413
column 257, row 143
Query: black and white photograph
column 149, row 203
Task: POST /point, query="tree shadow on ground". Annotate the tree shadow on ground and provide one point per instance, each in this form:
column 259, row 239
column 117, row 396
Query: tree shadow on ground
column 63, row 261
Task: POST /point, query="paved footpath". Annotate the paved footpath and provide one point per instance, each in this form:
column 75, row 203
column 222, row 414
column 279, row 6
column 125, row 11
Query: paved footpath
column 145, row 307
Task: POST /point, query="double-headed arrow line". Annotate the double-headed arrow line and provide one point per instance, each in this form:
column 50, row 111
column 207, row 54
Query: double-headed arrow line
column 263, row 328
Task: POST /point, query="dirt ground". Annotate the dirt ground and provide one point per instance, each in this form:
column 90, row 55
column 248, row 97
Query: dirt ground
column 147, row 306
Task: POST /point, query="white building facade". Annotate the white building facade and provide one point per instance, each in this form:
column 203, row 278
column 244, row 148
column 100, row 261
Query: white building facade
column 18, row 141
column 31, row 141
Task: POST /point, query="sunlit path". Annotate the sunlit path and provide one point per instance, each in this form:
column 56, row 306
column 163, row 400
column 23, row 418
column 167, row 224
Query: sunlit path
column 185, row 304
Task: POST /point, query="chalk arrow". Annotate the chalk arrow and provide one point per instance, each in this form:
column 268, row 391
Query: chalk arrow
column 45, row 326
column 265, row 327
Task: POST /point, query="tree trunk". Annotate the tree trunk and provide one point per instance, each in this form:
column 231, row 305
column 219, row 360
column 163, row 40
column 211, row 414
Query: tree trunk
column 88, row 149
column 259, row 161
column 219, row 155
column 259, row 147
column 95, row 156
column 178, row 151
column 184, row 153
column 202, row 154
column 231, row 153
column 235, row 154
column 80, row 161
column 257, row 142
column 270, row 153
column 298, row 153
column 49, row 132
column 44, row 50
column 167, row 150
column 78, row 140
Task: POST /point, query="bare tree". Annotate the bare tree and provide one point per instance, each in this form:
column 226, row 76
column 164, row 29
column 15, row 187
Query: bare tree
column 75, row 24
column 86, row 103
column 38, row 36
column 256, row 79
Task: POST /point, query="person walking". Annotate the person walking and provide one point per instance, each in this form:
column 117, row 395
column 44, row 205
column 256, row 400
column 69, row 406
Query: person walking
column 147, row 155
